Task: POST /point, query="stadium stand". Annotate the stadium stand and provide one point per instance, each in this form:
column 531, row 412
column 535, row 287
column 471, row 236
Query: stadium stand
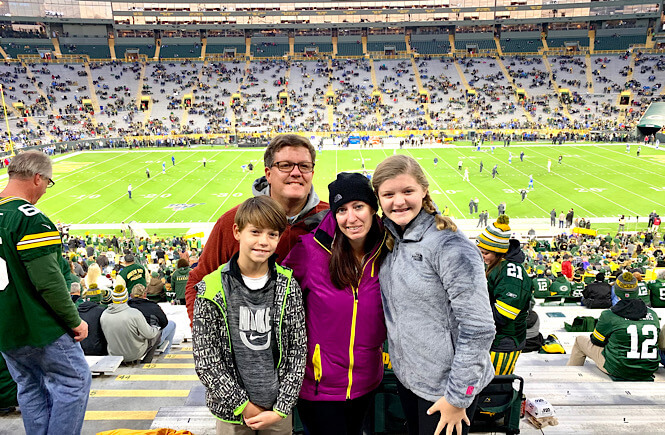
column 349, row 49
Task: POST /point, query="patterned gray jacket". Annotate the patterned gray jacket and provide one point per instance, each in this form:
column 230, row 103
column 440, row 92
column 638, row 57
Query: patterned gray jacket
column 213, row 354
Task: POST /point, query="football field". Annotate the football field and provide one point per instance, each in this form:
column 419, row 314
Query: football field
column 596, row 180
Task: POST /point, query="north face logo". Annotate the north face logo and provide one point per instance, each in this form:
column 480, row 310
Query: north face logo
column 418, row 257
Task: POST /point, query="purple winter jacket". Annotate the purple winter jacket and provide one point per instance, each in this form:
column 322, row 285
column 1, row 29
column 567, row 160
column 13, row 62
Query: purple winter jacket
column 345, row 328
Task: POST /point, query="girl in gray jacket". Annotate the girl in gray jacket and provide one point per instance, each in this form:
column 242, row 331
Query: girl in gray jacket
column 436, row 304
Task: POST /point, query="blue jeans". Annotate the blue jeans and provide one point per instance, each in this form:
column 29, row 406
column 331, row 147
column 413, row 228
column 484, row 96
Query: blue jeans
column 167, row 334
column 53, row 386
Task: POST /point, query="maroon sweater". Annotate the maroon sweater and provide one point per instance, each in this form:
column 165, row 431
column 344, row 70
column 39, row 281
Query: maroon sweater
column 222, row 245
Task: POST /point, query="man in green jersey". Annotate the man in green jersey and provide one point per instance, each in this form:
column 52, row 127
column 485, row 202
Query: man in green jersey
column 625, row 341
column 657, row 290
column 131, row 274
column 40, row 328
column 540, row 285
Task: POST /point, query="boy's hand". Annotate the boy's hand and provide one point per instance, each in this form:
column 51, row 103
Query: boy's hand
column 251, row 410
column 263, row 420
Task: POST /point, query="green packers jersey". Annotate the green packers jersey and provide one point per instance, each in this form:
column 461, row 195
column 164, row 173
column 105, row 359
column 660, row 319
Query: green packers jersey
column 560, row 288
column 631, row 349
column 25, row 235
column 643, row 292
column 133, row 274
column 540, row 287
column 576, row 289
column 510, row 294
column 657, row 293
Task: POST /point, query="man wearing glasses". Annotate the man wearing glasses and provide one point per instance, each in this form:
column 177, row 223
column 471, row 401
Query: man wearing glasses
column 40, row 328
column 289, row 167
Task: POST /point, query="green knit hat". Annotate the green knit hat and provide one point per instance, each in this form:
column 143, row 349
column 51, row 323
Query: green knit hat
column 93, row 294
column 496, row 237
column 625, row 286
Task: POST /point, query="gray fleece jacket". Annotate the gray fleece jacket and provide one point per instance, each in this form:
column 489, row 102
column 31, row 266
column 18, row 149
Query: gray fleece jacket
column 126, row 331
column 438, row 315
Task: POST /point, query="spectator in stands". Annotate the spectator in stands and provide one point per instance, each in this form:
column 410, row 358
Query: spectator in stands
column 341, row 258
column 657, row 290
column 439, row 350
column 153, row 314
column 179, row 281
column 75, row 291
column 39, row 325
column 96, row 279
column 156, row 292
column 623, row 345
column 127, row 332
column 289, row 168
column 91, row 311
column 131, row 274
column 597, row 294
column 249, row 335
column 567, row 267
column 509, row 289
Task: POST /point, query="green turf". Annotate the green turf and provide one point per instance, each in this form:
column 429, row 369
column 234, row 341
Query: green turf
column 603, row 180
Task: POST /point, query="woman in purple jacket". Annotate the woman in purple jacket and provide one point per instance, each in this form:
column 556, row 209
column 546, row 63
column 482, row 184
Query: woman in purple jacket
column 337, row 266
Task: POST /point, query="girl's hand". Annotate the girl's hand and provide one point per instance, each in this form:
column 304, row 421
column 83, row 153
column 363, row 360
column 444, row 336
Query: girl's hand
column 451, row 417
column 263, row 420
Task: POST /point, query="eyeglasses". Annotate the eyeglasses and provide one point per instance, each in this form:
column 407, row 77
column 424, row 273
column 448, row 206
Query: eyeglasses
column 51, row 183
column 304, row 167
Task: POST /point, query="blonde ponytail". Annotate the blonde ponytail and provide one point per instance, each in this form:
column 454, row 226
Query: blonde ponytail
column 442, row 222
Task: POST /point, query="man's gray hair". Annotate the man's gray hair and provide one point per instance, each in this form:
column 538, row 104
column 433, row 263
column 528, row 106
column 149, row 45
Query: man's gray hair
column 75, row 288
column 30, row 163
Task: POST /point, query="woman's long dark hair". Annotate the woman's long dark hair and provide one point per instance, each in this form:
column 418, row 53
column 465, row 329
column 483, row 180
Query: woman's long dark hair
column 345, row 269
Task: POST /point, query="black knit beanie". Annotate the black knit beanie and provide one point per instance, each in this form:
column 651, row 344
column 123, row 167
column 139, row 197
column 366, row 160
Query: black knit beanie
column 351, row 186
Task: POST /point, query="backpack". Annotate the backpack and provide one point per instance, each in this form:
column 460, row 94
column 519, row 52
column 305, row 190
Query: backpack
column 499, row 406
column 581, row 324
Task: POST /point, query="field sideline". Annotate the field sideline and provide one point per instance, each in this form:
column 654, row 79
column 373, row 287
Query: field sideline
column 598, row 181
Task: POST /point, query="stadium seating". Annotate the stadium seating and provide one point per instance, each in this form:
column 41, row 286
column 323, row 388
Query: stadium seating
column 380, row 46
column 13, row 49
column 561, row 42
column 219, row 48
column 431, row 47
column 180, row 51
column 269, row 50
column 483, row 44
column 97, row 51
column 514, row 45
column 349, row 49
column 618, row 42
column 322, row 46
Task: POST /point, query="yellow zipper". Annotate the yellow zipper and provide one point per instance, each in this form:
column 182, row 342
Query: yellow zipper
column 353, row 339
column 355, row 314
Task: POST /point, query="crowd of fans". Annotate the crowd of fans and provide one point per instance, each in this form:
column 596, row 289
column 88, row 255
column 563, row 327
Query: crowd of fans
column 493, row 105
column 109, row 276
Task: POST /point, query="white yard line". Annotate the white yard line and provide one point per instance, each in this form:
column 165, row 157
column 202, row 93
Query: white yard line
column 441, row 159
column 123, row 195
column 640, row 168
column 196, row 168
column 89, row 179
column 545, row 186
column 104, row 188
column 606, row 180
column 209, row 181
column 229, row 196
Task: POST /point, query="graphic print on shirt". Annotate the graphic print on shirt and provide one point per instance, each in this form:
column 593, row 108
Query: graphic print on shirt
column 255, row 327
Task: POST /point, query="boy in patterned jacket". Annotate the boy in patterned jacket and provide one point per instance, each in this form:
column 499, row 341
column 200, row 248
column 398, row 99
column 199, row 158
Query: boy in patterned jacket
column 249, row 334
